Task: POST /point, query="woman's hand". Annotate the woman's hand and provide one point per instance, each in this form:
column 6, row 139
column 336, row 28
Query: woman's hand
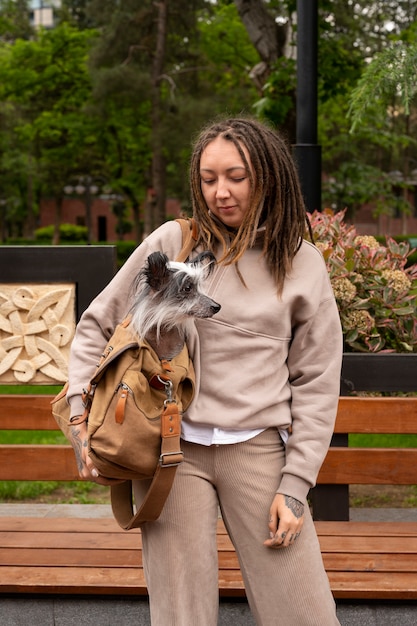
column 85, row 465
column 286, row 517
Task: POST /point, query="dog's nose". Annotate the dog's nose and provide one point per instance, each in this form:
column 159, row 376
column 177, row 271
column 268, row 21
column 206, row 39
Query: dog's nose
column 215, row 307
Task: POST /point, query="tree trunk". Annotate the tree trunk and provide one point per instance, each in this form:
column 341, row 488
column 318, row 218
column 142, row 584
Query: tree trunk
column 29, row 226
column 155, row 209
column 262, row 29
column 57, row 222
column 268, row 37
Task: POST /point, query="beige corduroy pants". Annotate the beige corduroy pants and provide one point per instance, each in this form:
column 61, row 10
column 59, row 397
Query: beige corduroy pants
column 287, row 587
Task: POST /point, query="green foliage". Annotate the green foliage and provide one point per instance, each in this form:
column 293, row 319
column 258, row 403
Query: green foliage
column 69, row 233
column 228, row 52
column 14, row 20
column 375, row 292
column 124, row 250
column 278, row 92
column 355, row 183
column 391, row 75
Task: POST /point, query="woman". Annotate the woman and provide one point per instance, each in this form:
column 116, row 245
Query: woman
column 268, row 371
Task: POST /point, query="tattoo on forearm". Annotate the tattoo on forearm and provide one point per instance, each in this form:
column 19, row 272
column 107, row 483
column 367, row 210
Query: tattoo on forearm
column 295, row 506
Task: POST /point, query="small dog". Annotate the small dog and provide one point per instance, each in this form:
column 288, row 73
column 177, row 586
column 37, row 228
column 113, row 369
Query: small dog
column 168, row 297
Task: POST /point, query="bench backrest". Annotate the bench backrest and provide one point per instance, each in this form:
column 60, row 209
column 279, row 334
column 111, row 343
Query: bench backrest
column 343, row 465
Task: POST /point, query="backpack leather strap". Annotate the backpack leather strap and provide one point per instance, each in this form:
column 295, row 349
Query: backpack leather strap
column 154, row 500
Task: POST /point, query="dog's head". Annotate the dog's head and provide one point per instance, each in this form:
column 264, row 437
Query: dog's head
column 180, row 285
column 170, row 294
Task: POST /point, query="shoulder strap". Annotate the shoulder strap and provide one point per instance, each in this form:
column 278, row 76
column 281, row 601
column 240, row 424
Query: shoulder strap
column 189, row 238
column 154, row 500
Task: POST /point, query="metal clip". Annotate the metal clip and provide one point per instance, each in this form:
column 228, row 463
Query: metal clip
column 168, row 389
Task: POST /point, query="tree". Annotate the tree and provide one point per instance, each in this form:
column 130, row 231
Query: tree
column 14, row 20
column 387, row 89
column 45, row 86
column 156, row 58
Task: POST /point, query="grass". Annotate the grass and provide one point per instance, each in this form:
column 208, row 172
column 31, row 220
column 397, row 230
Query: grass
column 383, row 441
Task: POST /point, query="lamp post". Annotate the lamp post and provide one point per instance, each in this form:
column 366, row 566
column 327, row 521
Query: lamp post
column 307, row 152
column 86, row 187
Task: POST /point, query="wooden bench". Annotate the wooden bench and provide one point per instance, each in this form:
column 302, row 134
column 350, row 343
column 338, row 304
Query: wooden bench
column 364, row 560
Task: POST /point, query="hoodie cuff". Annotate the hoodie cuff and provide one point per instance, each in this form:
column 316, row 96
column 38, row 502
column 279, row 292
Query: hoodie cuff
column 295, row 487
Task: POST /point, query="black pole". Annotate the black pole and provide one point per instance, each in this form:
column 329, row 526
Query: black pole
column 307, row 152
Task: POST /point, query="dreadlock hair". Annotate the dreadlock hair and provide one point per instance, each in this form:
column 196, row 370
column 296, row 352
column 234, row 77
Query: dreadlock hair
column 276, row 200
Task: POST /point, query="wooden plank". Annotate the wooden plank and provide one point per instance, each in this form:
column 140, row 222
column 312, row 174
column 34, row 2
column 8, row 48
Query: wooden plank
column 394, row 466
column 130, row 581
column 70, row 580
column 342, row 562
column 63, row 524
column 382, row 562
column 79, row 540
column 366, row 529
column 376, row 545
column 31, row 412
column 45, row 557
column 355, row 414
column 377, row 415
column 34, row 462
column 102, row 581
column 373, row 585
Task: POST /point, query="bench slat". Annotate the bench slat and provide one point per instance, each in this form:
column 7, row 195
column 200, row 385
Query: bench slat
column 94, row 580
column 46, row 462
column 65, row 580
column 30, row 412
column 355, row 414
column 373, row 585
column 366, row 529
column 396, row 466
column 382, row 562
column 60, row 557
column 354, row 545
column 377, row 415
column 371, row 466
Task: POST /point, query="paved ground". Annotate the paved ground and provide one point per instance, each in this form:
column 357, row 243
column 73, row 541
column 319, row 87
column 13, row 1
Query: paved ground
column 130, row 612
column 63, row 611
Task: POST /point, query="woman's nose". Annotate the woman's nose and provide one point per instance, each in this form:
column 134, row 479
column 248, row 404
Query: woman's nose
column 222, row 190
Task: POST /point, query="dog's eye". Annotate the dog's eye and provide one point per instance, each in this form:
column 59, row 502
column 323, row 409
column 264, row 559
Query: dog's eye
column 187, row 287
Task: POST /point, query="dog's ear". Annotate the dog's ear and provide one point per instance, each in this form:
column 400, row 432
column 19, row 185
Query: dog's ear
column 207, row 260
column 156, row 271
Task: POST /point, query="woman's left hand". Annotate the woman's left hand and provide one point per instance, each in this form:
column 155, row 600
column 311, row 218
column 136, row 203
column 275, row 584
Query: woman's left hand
column 286, row 517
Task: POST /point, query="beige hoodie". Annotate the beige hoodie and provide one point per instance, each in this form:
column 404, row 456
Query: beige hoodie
column 262, row 361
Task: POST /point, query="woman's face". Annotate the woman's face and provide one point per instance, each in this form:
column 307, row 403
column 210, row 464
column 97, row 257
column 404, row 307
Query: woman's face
column 225, row 181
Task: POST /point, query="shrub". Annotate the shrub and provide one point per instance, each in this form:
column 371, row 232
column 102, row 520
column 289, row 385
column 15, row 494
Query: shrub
column 375, row 292
column 68, row 233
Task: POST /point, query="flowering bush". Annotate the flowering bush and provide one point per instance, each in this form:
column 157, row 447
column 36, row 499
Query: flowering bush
column 375, row 292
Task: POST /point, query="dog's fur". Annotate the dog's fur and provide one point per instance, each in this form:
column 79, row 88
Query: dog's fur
column 168, row 297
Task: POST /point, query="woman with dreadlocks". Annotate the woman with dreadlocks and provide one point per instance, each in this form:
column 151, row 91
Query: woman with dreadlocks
column 268, row 372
